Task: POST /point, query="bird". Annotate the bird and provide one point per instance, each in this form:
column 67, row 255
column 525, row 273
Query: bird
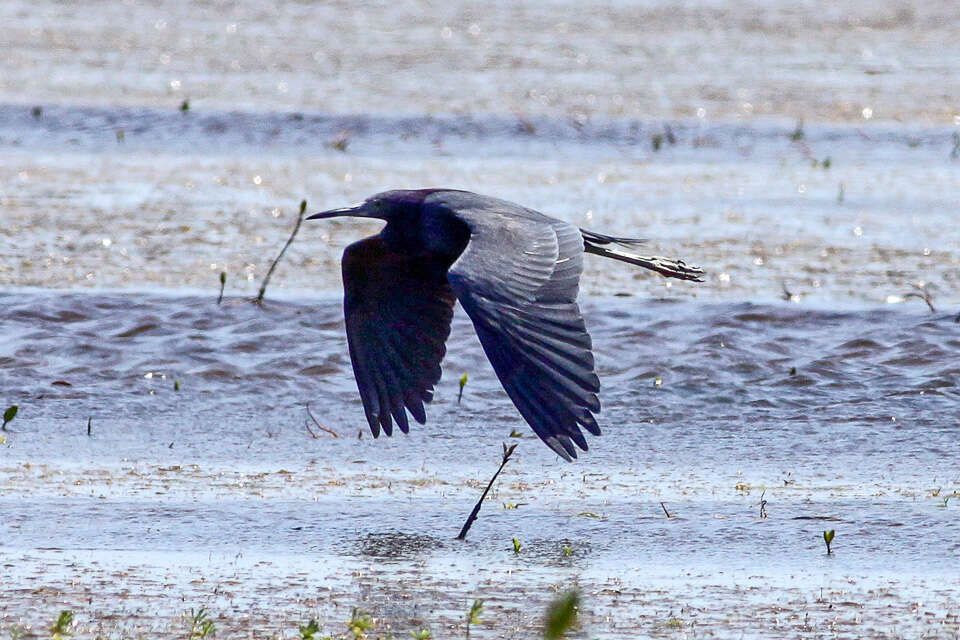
column 516, row 273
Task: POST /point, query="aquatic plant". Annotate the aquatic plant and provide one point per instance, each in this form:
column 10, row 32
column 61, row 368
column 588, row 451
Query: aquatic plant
column 296, row 229
column 223, row 283
column 516, row 546
column 307, row 631
column 657, row 141
column 473, row 616
column 463, row 383
column 561, row 615
column 798, row 134
column 201, row 625
column 359, row 624
column 423, row 634
column 185, row 106
column 828, row 538
column 62, row 626
column 9, row 415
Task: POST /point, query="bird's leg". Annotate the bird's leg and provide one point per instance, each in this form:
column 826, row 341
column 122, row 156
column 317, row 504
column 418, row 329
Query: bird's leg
column 670, row 267
column 664, row 266
column 507, row 452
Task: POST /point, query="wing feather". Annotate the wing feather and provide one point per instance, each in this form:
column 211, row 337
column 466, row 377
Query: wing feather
column 398, row 310
column 518, row 279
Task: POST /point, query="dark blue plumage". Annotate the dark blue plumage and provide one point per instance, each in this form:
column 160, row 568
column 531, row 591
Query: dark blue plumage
column 516, row 273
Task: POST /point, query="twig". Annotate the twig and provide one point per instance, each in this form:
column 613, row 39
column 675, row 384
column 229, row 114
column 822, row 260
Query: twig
column 787, row 294
column 310, row 431
column 223, row 283
column 923, row 295
column 319, row 426
column 664, row 507
column 89, row 426
column 507, row 452
column 763, row 505
column 296, row 228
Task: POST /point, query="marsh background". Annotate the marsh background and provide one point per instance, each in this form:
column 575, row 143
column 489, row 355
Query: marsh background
column 805, row 154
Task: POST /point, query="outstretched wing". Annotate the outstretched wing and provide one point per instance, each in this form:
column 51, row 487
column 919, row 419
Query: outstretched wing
column 518, row 279
column 398, row 312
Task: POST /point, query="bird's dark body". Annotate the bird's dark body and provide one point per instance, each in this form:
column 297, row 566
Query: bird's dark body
column 516, row 273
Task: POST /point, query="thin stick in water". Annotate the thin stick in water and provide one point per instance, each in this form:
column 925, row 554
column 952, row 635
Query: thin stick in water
column 664, row 507
column 319, row 426
column 223, row 283
column 507, row 452
column 296, row 228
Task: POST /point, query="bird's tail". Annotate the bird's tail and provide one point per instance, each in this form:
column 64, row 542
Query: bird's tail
column 599, row 244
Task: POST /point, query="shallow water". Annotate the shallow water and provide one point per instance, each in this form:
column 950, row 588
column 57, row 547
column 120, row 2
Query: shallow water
column 838, row 420
column 805, row 156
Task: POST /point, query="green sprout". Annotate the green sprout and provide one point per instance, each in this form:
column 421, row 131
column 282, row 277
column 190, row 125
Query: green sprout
column 567, row 550
column 474, row 616
column 201, row 625
column 516, row 546
column 62, row 626
column 359, row 624
column 307, row 631
column 515, row 434
column 9, row 415
column 561, row 615
column 463, row 383
column 423, row 634
column 828, row 538
column 223, row 283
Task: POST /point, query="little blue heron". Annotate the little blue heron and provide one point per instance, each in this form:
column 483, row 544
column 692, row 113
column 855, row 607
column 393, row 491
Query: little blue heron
column 516, row 273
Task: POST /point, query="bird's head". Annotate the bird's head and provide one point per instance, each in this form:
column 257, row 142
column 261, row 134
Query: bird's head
column 389, row 205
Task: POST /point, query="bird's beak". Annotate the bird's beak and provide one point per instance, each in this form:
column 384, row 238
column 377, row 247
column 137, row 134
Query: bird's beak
column 355, row 211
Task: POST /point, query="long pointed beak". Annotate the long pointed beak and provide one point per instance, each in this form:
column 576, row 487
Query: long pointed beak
column 356, row 211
